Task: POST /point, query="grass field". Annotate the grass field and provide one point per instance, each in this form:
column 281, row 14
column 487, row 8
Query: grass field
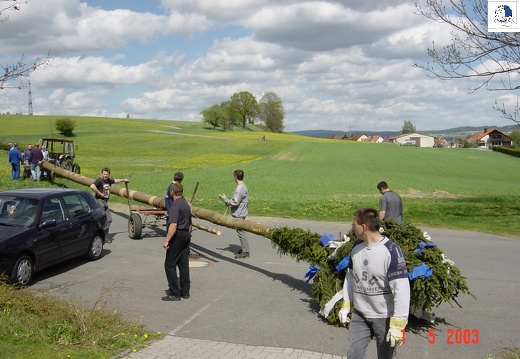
column 288, row 175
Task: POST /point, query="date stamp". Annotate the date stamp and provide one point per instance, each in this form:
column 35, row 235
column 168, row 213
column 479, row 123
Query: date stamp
column 455, row 337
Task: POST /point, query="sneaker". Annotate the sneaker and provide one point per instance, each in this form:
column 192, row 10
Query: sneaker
column 170, row 298
column 185, row 296
column 242, row 255
column 239, row 252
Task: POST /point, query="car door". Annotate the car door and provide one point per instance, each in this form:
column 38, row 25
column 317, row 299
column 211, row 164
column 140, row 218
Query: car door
column 81, row 225
column 47, row 245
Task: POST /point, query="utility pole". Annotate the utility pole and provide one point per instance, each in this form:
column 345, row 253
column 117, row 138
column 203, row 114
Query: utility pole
column 30, row 98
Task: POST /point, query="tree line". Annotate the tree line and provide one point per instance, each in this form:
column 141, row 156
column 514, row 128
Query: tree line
column 243, row 108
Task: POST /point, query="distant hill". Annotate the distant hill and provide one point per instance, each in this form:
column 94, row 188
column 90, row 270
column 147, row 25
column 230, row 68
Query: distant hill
column 455, row 132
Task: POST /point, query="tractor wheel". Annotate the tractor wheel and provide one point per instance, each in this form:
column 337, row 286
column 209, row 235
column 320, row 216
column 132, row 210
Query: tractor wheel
column 66, row 165
column 135, row 226
column 76, row 168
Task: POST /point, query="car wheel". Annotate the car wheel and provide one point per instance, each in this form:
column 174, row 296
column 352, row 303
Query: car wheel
column 96, row 248
column 135, row 226
column 22, row 271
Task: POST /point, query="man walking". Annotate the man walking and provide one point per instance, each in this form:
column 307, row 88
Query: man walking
column 377, row 287
column 238, row 203
column 390, row 204
column 177, row 245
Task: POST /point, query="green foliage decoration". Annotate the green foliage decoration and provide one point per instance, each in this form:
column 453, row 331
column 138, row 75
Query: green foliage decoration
column 444, row 285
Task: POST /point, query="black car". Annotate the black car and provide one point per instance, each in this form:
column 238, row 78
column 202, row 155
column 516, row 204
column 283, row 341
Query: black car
column 40, row 227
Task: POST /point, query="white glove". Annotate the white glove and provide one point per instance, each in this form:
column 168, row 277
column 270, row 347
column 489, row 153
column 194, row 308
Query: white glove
column 222, row 196
column 344, row 312
column 396, row 332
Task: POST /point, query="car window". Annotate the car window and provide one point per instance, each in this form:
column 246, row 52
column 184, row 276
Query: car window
column 52, row 209
column 17, row 211
column 77, row 205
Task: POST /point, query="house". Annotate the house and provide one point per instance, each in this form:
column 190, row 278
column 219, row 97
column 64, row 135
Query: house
column 413, row 139
column 374, row 139
column 441, row 142
column 490, row 138
column 357, row 137
column 338, row 137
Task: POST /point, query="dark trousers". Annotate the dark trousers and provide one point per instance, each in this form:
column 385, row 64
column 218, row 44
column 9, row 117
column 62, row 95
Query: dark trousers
column 178, row 255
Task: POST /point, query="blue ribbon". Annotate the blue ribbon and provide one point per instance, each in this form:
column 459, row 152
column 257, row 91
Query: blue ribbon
column 311, row 273
column 423, row 245
column 422, row 270
column 326, row 239
column 343, row 264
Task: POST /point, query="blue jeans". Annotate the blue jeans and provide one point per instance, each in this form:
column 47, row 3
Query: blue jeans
column 15, row 171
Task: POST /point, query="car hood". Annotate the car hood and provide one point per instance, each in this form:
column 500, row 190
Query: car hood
column 8, row 232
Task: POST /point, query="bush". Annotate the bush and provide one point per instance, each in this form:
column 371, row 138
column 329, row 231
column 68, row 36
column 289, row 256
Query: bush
column 65, row 126
column 507, row 150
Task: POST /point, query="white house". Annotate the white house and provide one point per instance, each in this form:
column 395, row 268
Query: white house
column 414, row 139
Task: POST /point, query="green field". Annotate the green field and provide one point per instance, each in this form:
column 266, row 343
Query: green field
column 288, row 175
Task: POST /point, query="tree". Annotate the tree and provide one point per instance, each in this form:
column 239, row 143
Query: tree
column 271, row 112
column 215, row 116
column 19, row 69
column 408, row 127
column 474, row 52
column 515, row 136
column 65, row 126
column 245, row 106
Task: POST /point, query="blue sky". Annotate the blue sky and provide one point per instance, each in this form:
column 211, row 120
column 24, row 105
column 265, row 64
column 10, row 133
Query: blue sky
column 336, row 64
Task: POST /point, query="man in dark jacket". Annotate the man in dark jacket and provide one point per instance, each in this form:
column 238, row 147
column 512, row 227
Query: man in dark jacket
column 35, row 160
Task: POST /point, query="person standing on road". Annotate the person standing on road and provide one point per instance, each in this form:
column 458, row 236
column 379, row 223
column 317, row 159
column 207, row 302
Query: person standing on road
column 35, row 160
column 168, row 198
column 239, row 203
column 377, row 287
column 177, row 245
column 15, row 157
column 390, row 204
column 101, row 188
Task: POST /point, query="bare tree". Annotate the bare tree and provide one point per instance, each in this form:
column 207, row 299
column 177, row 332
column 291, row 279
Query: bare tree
column 20, row 69
column 493, row 57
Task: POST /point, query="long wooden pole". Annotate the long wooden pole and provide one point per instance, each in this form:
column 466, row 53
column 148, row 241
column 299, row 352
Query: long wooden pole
column 158, row 202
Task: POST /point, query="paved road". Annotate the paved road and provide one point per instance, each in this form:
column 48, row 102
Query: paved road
column 260, row 307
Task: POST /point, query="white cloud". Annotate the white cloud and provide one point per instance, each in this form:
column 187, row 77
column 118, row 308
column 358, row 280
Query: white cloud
column 336, row 64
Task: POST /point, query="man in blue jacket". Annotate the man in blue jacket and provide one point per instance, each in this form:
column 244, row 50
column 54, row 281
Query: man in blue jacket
column 15, row 157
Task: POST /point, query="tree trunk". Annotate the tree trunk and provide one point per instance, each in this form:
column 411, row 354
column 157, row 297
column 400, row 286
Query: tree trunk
column 158, row 202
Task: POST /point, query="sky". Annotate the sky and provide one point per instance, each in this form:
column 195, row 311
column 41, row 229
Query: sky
column 344, row 65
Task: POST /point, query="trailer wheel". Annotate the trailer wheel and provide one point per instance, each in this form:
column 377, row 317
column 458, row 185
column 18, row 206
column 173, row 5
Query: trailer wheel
column 135, row 226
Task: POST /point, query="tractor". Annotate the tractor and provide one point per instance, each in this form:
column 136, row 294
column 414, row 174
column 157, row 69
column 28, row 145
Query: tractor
column 61, row 153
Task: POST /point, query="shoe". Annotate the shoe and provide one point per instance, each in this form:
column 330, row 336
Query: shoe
column 239, row 252
column 108, row 241
column 185, row 296
column 170, row 298
column 242, row 255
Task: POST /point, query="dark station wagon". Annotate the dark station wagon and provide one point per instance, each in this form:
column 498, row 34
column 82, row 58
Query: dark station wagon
column 40, row 227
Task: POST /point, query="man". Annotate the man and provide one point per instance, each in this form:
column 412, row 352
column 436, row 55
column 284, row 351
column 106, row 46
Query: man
column 377, row 286
column 101, row 188
column 168, row 199
column 26, row 154
column 177, row 245
column 238, row 204
column 15, row 157
column 35, row 160
column 390, row 204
